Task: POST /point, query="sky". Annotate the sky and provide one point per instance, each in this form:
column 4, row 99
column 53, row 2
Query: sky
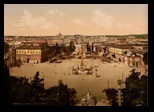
column 71, row 19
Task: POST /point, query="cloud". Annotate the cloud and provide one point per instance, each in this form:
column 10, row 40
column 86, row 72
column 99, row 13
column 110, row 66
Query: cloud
column 102, row 19
column 78, row 21
column 55, row 12
column 30, row 21
column 122, row 25
column 22, row 29
column 48, row 25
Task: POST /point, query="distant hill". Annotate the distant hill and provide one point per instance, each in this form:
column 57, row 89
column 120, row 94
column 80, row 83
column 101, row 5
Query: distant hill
column 116, row 35
column 139, row 35
column 134, row 35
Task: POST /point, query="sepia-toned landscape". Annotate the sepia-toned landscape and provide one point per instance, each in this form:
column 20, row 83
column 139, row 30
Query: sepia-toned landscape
column 102, row 61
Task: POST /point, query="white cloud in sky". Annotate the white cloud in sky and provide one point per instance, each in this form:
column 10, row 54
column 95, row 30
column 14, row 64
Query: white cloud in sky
column 48, row 25
column 55, row 12
column 78, row 21
column 102, row 19
column 22, row 29
column 122, row 25
column 30, row 21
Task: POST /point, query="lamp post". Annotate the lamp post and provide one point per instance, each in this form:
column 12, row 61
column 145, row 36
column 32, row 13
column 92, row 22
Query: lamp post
column 82, row 53
column 119, row 92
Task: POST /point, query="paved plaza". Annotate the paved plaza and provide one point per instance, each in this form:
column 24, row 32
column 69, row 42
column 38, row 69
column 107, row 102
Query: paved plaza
column 53, row 72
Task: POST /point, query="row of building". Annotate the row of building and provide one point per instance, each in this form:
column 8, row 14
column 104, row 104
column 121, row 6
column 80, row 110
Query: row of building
column 36, row 50
column 51, row 40
column 131, row 55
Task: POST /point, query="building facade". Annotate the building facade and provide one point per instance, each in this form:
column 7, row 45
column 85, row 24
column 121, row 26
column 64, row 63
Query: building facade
column 32, row 54
column 119, row 50
column 135, row 61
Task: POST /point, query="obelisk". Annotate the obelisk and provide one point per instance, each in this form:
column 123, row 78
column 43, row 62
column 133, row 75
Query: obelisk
column 82, row 65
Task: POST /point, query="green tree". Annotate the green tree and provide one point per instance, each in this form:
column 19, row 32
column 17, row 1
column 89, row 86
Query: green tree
column 60, row 95
column 143, row 87
column 63, row 94
column 71, row 46
column 88, row 48
column 111, row 94
column 6, row 85
column 92, row 48
column 50, row 56
column 72, row 96
column 50, row 97
column 6, row 47
column 37, row 88
column 57, row 48
column 19, row 90
column 132, row 90
column 145, row 58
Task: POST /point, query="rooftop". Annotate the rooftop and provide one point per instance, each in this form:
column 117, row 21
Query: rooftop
column 30, row 47
column 122, row 46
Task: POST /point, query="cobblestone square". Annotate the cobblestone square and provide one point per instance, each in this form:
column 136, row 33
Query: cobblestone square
column 55, row 71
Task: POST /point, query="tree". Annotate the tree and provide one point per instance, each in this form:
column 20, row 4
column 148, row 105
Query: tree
column 6, row 47
column 71, row 46
column 63, row 94
column 132, row 90
column 37, row 88
column 57, row 48
column 145, row 58
column 88, row 48
column 19, row 90
column 111, row 94
column 6, row 85
column 72, row 96
column 50, row 56
column 143, row 87
column 92, row 48
column 60, row 95
column 50, row 97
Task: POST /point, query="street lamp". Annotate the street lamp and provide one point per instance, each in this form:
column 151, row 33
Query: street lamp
column 119, row 93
